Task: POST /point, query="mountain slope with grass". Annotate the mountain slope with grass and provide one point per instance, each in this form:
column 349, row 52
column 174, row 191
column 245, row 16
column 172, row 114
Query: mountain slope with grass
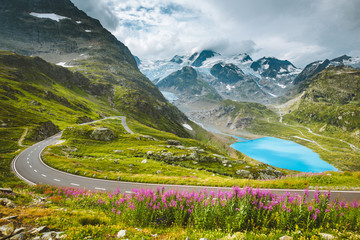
column 62, row 34
column 332, row 100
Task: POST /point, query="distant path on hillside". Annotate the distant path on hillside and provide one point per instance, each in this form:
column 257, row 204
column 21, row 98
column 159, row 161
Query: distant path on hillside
column 21, row 139
column 29, row 166
column 353, row 147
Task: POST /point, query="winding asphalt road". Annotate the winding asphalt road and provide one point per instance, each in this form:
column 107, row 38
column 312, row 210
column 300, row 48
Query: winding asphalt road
column 29, row 166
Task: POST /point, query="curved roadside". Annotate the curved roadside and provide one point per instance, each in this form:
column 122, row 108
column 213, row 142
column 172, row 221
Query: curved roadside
column 29, row 167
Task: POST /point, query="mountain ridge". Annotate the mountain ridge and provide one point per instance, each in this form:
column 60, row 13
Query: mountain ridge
column 81, row 44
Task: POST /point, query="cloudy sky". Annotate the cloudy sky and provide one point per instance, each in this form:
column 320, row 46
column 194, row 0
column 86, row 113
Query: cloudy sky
column 301, row 31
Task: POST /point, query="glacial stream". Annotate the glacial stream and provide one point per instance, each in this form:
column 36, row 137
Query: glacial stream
column 283, row 154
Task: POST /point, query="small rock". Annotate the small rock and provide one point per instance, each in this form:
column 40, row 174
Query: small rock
column 158, row 172
column 286, row 237
column 7, row 202
column 20, row 236
column 19, row 230
column 121, row 234
column 39, row 230
column 204, row 239
column 10, row 217
column 194, row 162
column 326, row 236
column 7, row 230
column 49, row 235
column 144, row 161
column 6, row 190
column 118, row 151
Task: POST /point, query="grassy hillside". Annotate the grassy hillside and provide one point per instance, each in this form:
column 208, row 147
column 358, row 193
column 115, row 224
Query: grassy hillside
column 80, row 43
column 332, row 98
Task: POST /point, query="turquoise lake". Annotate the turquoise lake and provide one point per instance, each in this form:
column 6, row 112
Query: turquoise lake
column 283, row 154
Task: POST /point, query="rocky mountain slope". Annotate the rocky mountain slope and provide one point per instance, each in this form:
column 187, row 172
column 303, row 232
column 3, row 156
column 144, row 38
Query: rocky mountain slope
column 188, row 84
column 62, row 34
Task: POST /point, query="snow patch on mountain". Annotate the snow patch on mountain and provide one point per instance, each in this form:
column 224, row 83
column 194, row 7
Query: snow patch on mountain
column 51, row 16
column 187, row 126
column 64, row 64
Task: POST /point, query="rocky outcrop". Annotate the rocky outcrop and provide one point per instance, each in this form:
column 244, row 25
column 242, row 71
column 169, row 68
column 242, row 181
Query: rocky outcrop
column 173, row 142
column 45, row 130
column 260, row 174
column 245, row 174
column 83, row 119
column 241, row 123
column 103, row 134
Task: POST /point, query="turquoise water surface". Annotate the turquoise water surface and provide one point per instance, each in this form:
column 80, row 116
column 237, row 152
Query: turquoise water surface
column 283, row 154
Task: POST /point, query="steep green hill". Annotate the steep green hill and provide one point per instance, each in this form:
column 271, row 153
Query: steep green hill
column 331, row 101
column 34, row 92
column 83, row 45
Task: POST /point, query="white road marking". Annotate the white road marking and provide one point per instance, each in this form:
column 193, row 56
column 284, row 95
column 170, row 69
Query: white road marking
column 29, row 155
column 31, row 152
column 43, row 175
column 30, row 166
column 74, row 184
column 99, row 188
column 27, row 158
column 35, row 170
column 56, row 180
column 27, row 162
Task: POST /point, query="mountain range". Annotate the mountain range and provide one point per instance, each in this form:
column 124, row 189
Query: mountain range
column 238, row 77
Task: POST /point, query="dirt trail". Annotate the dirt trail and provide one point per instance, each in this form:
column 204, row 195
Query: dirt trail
column 21, row 139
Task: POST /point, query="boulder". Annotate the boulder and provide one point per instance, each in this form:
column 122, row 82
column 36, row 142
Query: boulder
column 20, row 236
column 121, row 234
column 7, row 202
column 103, row 134
column 286, row 237
column 6, row 190
column 147, row 137
column 194, row 156
column 39, row 230
column 7, row 230
column 244, row 174
column 173, row 142
column 49, row 236
column 326, row 236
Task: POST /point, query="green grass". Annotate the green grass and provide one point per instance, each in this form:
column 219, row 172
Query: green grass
column 123, row 157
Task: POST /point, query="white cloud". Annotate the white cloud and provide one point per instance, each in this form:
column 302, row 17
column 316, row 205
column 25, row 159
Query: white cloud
column 301, row 31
